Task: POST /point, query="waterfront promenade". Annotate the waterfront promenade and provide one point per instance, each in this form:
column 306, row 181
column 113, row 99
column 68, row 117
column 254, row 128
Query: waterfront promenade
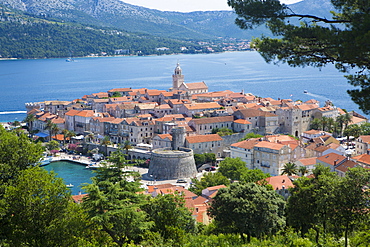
column 145, row 178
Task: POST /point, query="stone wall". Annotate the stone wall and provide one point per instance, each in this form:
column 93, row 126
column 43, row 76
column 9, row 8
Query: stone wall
column 172, row 164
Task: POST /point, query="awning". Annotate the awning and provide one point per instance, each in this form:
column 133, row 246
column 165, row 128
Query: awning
column 41, row 134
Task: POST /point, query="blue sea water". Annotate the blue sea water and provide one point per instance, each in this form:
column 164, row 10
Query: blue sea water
column 25, row 81
column 72, row 173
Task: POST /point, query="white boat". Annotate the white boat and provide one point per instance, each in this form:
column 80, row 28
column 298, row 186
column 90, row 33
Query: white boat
column 93, row 166
column 305, row 91
column 45, row 161
column 69, row 185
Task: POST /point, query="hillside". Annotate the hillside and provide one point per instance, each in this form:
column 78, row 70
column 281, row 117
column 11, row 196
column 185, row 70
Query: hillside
column 26, row 36
column 117, row 14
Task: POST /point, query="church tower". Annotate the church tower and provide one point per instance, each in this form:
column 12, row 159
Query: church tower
column 177, row 78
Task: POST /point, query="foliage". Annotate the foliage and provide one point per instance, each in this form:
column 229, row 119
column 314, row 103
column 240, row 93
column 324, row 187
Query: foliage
column 316, row 41
column 52, row 145
column 250, row 136
column 248, row 209
column 37, row 211
column 170, row 216
column 328, row 203
column 17, row 151
column 232, row 168
column 208, row 180
column 222, row 131
column 204, row 158
column 289, row 169
column 253, row 176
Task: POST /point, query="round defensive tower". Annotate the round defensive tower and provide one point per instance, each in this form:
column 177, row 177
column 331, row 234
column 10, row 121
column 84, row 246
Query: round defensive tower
column 172, row 164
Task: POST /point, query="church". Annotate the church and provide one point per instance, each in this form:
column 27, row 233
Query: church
column 178, row 84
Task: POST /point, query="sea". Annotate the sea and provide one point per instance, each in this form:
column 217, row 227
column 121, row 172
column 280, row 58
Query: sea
column 24, row 81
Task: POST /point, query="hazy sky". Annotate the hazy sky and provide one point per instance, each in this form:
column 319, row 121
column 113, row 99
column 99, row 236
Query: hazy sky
column 187, row 5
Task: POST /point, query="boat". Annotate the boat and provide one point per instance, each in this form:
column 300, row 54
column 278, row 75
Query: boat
column 45, row 161
column 69, row 185
column 69, row 59
column 305, row 91
column 93, row 166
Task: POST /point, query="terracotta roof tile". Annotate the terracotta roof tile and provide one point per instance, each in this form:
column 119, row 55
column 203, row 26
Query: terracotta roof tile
column 203, row 138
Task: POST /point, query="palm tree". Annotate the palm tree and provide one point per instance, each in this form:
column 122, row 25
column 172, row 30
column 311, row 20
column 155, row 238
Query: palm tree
column 289, row 169
column 65, row 134
column 324, row 123
column 49, row 126
column 330, row 123
column 29, row 120
column 316, row 124
column 340, row 121
column 105, row 142
column 352, row 130
column 347, row 119
column 54, row 130
column 126, row 146
column 302, row 170
column 91, row 137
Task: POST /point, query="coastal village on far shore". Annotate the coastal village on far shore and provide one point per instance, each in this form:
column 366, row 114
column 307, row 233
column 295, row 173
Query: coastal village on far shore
column 166, row 128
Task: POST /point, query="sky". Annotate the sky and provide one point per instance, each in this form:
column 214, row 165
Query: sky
column 187, row 5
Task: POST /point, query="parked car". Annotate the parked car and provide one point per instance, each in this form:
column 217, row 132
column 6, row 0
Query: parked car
column 211, row 168
column 181, row 180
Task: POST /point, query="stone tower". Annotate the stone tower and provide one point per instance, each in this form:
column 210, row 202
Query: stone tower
column 177, row 78
column 178, row 137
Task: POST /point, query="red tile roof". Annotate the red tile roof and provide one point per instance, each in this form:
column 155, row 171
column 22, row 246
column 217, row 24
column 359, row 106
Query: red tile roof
column 203, row 138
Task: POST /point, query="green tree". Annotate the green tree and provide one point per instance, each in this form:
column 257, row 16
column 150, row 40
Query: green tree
column 352, row 130
column 250, row 136
column 315, row 41
column 302, row 170
column 106, row 142
column 36, row 210
column 289, row 169
column 310, row 205
column 127, row 146
column 52, row 145
column 30, row 118
column 248, row 209
column 222, row 131
column 232, row 168
column 50, row 126
column 17, row 151
column 352, row 201
column 253, row 176
column 365, row 129
column 200, row 159
column 170, row 216
column 316, row 124
column 208, row 180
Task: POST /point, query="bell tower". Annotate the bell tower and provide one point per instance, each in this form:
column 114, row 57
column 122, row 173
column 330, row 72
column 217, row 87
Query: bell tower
column 177, row 78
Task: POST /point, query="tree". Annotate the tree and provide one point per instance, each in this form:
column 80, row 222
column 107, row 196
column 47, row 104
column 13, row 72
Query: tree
column 352, row 130
column 65, row 133
column 52, row 145
column 289, row 169
column 250, row 136
column 36, row 210
column 105, row 142
column 316, row 124
column 17, row 151
column 208, row 180
column 316, row 41
column 232, row 168
column 50, row 126
column 222, row 131
column 302, row 170
column 127, row 146
column 170, row 216
column 253, row 176
column 30, row 118
column 352, row 200
column 248, row 209
column 365, row 129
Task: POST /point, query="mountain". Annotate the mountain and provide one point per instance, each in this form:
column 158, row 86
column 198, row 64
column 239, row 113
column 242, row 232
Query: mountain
column 117, row 14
